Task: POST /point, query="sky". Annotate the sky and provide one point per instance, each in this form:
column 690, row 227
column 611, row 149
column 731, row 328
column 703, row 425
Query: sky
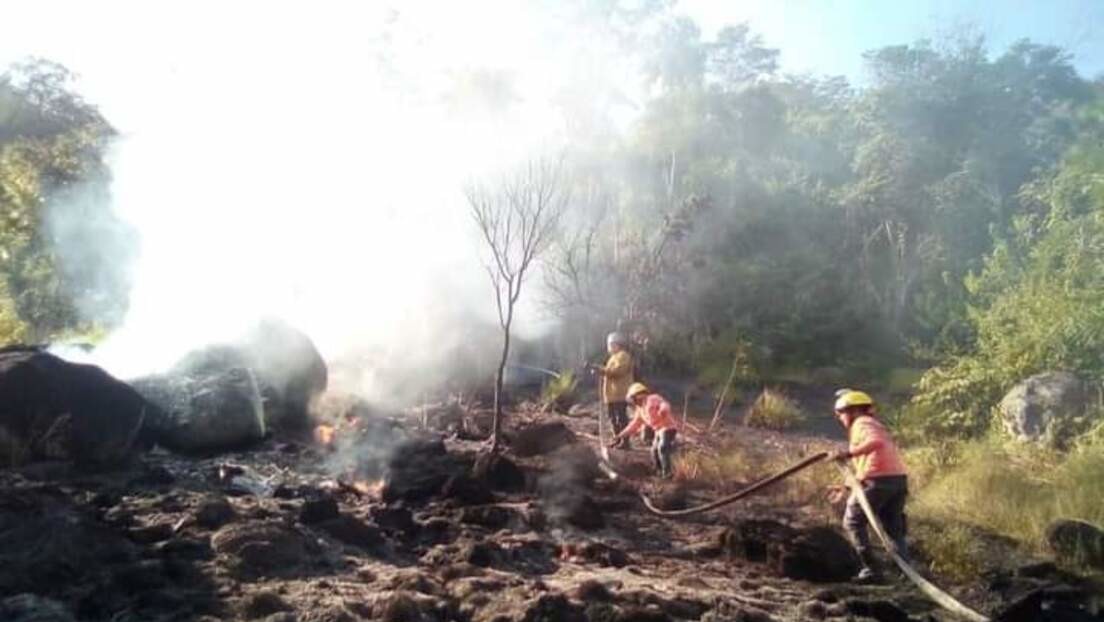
column 829, row 36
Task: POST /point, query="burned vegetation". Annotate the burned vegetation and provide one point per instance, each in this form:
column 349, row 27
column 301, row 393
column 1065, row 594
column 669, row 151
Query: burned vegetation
column 232, row 489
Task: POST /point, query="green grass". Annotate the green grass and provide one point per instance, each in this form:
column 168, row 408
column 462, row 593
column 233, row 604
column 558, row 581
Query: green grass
column 772, row 410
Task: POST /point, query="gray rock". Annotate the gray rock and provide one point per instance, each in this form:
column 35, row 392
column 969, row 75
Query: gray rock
column 204, row 413
column 31, row 608
column 1048, row 408
column 1076, row 542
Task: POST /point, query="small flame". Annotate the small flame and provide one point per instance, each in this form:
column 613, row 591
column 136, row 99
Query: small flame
column 372, row 488
column 325, row 435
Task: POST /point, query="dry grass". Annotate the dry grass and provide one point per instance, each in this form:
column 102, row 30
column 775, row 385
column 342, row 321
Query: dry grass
column 1003, row 489
column 772, row 410
column 735, row 466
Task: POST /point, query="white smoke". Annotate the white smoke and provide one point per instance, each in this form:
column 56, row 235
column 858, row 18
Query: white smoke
column 307, row 161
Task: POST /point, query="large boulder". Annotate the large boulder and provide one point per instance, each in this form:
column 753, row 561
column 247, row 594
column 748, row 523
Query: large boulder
column 52, row 408
column 1076, row 542
column 288, row 367
column 1048, row 408
column 204, row 414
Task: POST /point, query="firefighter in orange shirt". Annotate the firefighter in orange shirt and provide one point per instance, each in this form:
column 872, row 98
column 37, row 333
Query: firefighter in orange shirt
column 655, row 412
column 878, row 466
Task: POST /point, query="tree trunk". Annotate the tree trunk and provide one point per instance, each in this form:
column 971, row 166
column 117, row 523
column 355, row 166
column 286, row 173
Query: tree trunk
column 497, row 421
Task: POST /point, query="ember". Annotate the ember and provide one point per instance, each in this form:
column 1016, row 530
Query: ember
column 325, row 434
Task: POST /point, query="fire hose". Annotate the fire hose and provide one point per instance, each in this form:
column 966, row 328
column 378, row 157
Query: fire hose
column 944, row 599
column 752, row 489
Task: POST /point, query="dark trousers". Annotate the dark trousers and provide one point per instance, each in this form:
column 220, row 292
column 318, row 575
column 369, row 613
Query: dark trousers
column 663, row 449
column 618, row 415
column 887, row 498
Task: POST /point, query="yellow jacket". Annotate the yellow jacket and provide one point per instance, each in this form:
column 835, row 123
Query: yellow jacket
column 618, row 377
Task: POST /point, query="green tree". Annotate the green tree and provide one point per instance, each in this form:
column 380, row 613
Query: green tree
column 63, row 253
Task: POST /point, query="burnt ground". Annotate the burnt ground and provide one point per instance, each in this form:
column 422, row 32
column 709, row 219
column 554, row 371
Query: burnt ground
column 539, row 534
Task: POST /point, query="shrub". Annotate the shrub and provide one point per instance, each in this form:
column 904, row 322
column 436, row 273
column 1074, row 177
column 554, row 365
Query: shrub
column 559, row 392
column 772, row 410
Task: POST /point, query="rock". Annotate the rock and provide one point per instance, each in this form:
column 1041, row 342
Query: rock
column 466, row 490
column 593, row 591
column 403, row 606
column 1052, row 604
column 541, row 438
column 643, row 614
column 49, row 544
column 417, row 470
column 813, row 610
column 261, row 548
column 492, row 517
column 819, row 555
column 54, row 409
column 499, row 472
column 1076, row 542
column 32, row 608
column 203, row 414
column 552, row 608
column 395, row 520
column 752, row 539
column 263, row 604
column 1048, row 408
column 353, row 531
column 482, row 554
column 290, row 370
column 317, row 510
column 880, row 610
column 214, row 513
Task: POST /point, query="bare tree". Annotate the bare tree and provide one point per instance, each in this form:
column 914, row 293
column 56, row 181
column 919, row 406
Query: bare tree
column 517, row 218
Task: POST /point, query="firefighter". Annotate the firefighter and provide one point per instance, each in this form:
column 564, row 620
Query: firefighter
column 617, row 375
column 879, row 468
column 653, row 411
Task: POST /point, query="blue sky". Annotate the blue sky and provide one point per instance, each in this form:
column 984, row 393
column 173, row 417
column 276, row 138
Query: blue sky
column 829, row 36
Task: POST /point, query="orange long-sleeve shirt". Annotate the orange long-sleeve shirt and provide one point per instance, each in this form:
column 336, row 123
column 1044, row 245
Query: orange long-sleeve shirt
column 873, row 451
column 655, row 413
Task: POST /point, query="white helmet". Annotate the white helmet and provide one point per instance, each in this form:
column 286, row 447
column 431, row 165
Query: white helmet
column 617, row 338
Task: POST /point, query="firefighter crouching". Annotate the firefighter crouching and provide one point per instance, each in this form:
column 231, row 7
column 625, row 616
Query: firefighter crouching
column 653, row 411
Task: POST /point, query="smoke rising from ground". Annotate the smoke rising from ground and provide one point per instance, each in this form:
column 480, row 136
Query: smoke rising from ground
column 308, row 163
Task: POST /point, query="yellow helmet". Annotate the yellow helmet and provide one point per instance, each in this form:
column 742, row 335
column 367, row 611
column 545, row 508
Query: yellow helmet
column 853, row 398
column 635, row 389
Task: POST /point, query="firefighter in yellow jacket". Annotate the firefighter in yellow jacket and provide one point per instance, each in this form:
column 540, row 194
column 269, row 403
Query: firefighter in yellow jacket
column 617, row 375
